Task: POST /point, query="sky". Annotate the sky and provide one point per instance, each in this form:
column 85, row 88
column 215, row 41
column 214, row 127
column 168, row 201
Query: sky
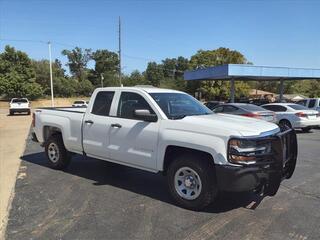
column 272, row 33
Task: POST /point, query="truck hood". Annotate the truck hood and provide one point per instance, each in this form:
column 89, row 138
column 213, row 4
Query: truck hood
column 238, row 125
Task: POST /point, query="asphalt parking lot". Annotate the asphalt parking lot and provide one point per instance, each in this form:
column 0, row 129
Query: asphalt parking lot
column 98, row 200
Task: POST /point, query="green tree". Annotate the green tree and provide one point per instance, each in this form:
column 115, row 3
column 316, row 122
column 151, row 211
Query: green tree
column 173, row 69
column 77, row 62
column 106, row 66
column 135, row 78
column 42, row 74
column 309, row 88
column 84, row 88
column 216, row 89
column 105, row 61
column 17, row 76
column 154, row 74
column 64, row 87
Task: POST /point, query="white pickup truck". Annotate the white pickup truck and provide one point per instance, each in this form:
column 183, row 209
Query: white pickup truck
column 19, row 105
column 154, row 129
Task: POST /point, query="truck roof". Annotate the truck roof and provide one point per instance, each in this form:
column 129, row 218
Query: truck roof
column 146, row 88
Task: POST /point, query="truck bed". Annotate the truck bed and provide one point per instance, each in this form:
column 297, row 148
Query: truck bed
column 67, row 119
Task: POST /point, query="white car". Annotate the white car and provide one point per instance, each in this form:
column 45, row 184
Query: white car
column 162, row 130
column 294, row 115
column 80, row 103
column 18, row 105
column 311, row 103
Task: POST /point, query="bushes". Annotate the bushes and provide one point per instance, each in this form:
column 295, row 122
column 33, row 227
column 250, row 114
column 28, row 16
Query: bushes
column 13, row 85
column 84, row 88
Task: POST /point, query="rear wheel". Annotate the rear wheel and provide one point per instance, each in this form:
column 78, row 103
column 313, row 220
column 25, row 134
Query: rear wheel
column 306, row 129
column 284, row 125
column 192, row 182
column 57, row 154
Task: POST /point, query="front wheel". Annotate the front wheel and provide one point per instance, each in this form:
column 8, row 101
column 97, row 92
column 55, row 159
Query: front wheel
column 57, row 154
column 285, row 125
column 192, row 182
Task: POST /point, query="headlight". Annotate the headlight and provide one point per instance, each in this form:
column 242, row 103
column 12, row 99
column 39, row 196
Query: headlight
column 243, row 151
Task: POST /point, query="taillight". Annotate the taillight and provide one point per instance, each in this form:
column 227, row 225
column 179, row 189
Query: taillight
column 33, row 120
column 301, row 114
column 253, row 115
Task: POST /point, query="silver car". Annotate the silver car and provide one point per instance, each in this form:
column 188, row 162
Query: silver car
column 247, row 110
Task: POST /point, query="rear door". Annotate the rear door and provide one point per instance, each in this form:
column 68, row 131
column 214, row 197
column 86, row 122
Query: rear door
column 96, row 126
column 133, row 141
column 280, row 111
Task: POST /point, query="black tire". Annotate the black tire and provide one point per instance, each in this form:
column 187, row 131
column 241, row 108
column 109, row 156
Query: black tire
column 62, row 159
column 205, row 171
column 306, row 129
column 285, row 125
column 29, row 112
column 11, row 112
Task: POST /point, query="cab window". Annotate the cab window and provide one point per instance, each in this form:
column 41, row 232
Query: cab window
column 102, row 103
column 129, row 102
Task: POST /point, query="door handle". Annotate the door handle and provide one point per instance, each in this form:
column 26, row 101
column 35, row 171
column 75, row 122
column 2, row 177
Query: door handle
column 88, row 121
column 116, row 125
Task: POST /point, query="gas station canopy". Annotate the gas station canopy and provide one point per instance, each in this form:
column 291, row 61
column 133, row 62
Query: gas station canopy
column 244, row 72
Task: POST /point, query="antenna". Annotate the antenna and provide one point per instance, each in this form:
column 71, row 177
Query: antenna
column 120, row 51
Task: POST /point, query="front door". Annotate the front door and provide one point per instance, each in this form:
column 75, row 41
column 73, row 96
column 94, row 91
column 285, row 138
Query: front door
column 133, row 141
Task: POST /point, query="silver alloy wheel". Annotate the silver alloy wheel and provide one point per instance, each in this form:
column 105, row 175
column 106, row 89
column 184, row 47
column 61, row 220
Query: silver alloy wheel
column 53, row 152
column 187, row 183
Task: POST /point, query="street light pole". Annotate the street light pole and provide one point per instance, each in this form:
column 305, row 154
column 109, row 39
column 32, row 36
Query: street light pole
column 51, row 82
column 119, row 52
column 102, row 78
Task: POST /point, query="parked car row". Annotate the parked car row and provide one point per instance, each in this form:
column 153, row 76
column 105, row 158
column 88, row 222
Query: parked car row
column 303, row 115
column 286, row 115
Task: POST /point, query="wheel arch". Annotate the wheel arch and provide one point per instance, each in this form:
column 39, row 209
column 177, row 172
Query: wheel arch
column 173, row 151
column 49, row 131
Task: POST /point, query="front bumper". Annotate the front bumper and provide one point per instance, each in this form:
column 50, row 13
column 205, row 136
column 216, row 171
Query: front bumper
column 269, row 172
column 19, row 110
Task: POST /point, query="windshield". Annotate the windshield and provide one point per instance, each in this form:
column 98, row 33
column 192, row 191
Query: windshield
column 19, row 100
column 298, row 107
column 179, row 105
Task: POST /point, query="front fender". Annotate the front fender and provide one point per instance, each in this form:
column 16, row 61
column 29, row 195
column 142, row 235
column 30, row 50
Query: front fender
column 214, row 145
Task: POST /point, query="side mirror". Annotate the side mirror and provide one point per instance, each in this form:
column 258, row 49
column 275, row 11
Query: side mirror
column 145, row 115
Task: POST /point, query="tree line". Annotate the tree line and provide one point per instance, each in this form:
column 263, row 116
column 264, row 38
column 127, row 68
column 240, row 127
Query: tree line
column 21, row 76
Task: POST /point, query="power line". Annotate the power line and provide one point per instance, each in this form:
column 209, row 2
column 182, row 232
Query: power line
column 22, row 40
column 119, row 51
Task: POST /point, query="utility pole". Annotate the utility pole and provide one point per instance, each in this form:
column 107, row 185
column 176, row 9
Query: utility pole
column 119, row 52
column 51, row 82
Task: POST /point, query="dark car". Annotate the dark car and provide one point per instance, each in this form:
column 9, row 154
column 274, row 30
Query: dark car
column 247, row 110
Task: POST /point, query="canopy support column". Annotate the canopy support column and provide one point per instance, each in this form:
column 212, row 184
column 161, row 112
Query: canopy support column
column 232, row 90
column 281, row 90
